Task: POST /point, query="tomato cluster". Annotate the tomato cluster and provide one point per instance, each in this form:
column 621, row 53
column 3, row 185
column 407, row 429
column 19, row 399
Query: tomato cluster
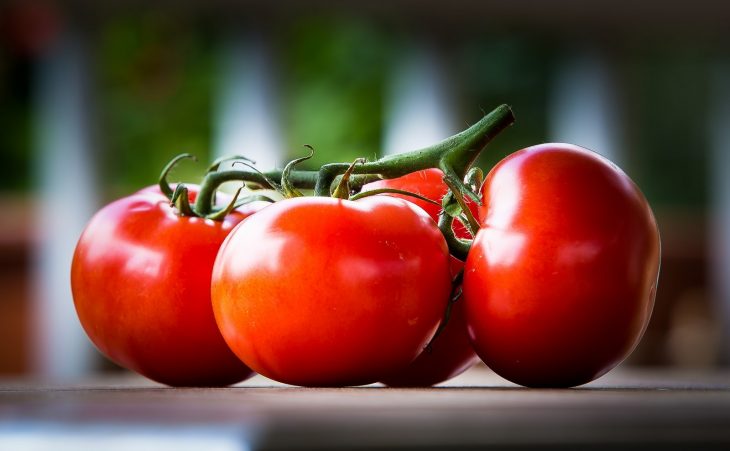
column 558, row 285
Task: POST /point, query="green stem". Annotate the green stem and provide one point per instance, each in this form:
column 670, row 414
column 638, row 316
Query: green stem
column 377, row 191
column 471, row 224
column 211, row 182
column 162, row 182
column 456, row 290
column 181, row 201
column 289, row 189
column 342, row 190
column 222, row 213
column 453, row 156
column 457, row 247
column 216, row 164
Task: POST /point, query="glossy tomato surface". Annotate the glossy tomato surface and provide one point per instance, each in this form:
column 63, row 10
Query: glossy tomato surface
column 560, row 281
column 451, row 352
column 141, row 285
column 319, row 291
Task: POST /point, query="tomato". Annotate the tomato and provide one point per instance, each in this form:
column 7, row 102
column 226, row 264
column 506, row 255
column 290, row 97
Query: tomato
column 318, row 291
column 559, row 284
column 141, row 285
column 429, row 184
column 451, row 352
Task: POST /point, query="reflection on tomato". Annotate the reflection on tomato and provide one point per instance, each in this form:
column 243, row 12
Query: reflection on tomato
column 560, row 281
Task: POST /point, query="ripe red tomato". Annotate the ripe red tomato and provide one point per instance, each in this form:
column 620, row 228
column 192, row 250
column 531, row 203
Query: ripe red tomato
column 451, row 352
column 429, row 184
column 141, row 285
column 319, row 291
column 560, row 281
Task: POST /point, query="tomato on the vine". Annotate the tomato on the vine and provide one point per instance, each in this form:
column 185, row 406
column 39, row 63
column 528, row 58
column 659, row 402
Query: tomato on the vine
column 141, row 285
column 560, row 281
column 319, row 291
column 451, row 352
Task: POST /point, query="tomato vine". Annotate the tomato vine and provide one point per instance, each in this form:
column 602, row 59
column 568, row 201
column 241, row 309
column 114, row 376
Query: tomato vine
column 454, row 156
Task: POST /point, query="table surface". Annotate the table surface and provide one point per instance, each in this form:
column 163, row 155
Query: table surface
column 478, row 410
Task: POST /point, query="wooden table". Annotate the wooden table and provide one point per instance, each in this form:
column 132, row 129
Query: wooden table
column 478, row 410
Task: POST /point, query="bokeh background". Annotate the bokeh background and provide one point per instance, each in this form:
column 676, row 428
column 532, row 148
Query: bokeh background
column 95, row 97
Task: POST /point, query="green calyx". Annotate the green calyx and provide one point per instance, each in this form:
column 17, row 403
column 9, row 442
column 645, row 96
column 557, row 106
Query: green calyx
column 288, row 187
column 180, row 200
column 162, row 182
column 342, row 191
column 179, row 197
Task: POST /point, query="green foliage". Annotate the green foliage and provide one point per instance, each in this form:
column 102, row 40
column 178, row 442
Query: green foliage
column 669, row 97
column 501, row 68
column 156, row 95
column 335, row 73
column 15, row 117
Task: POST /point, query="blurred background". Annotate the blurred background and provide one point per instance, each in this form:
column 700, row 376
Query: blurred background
column 95, row 97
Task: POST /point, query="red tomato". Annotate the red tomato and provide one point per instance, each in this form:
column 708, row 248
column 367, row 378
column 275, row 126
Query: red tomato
column 318, row 291
column 560, row 281
column 451, row 353
column 141, row 285
column 429, row 184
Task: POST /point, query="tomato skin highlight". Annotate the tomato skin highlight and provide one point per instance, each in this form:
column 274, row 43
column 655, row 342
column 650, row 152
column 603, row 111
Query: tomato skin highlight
column 561, row 278
column 451, row 352
column 140, row 279
column 331, row 292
